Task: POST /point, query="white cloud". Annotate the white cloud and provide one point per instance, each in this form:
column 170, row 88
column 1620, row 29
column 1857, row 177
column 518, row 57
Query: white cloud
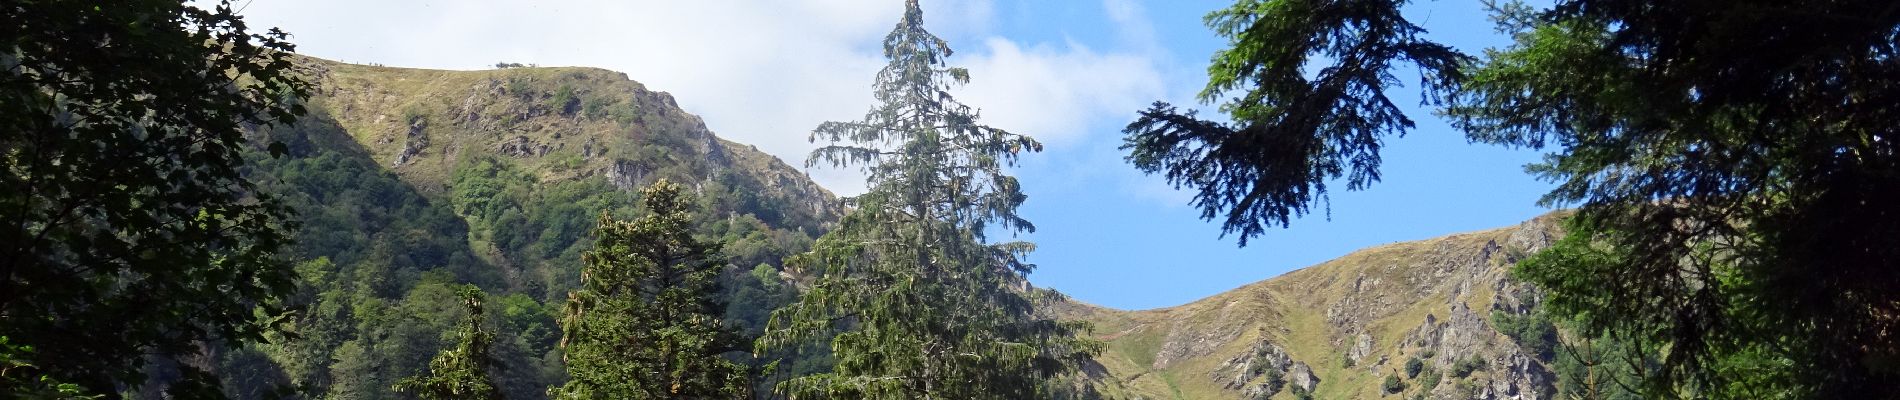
column 762, row 73
column 1055, row 93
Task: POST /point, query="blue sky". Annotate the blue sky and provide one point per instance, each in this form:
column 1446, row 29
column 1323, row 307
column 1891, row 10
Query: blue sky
column 1071, row 73
column 1112, row 237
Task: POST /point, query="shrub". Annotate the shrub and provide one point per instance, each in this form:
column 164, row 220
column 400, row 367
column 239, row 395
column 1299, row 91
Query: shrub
column 1275, row 382
column 1428, row 379
column 1412, row 366
column 1465, row 367
column 1393, row 384
column 1300, row 393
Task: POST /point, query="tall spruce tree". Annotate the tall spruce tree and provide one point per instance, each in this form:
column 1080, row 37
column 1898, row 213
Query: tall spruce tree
column 921, row 304
column 646, row 323
column 1735, row 162
column 460, row 372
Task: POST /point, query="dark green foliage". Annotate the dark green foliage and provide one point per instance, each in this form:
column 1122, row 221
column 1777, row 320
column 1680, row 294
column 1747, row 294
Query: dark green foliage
column 921, row 303
column 1734, row 162
column 646, row 323
column 1413, row 366
column 131, row 234
column 359, row 215
column 538, row 224
column 1534, row 332
column 1768, row 127
column 1600, row 368
column 1428, row 379
column 21, row 379
column 1393, row 384
column 1274, row 380
column 377, row 295
column 1292, row 131
column 1300, row 393
column 462, row 371
column 564, row 101
column 374, row 298
column 1464, row 368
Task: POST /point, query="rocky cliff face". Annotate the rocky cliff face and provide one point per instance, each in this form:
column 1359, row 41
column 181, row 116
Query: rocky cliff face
column 1341, row 328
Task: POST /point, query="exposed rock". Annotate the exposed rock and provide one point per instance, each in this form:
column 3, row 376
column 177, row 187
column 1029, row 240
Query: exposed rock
column 1302, row 376
column 1263, row 359
column 1360, row 349
column 413, row 142
column 626, row 174
column 1187, row 343
column 521, row 147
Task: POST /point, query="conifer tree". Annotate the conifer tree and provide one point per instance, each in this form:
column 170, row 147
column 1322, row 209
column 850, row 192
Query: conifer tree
column 646, row 323
column 918, row 303
column 460, row 372
column 1733, row 165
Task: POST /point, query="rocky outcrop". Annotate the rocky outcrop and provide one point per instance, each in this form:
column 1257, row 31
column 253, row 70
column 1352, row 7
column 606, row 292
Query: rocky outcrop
column 627, row 174
column 413, row 142
column 1184, row 342
column 1301, row 376
column 521, row 147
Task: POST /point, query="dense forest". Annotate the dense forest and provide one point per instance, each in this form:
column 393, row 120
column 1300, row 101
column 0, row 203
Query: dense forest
column 194, row 210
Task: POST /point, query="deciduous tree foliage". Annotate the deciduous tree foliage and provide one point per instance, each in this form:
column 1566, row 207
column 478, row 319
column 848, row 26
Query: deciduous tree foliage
column 646, row 323
column 921, row 303
column 1735, row 165
column 127, row 229
column 460, row 372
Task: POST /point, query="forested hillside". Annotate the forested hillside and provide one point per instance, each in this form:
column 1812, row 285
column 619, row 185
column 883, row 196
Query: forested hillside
column 409, row 183
column 189, row 209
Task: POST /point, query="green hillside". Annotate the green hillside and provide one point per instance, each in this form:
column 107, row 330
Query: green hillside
column 409, row 182
column 1339, row 329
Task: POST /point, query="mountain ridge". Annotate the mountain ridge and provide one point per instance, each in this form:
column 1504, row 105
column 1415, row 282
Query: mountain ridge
column 526, row 112
column 1335, row 327
column 562, row 144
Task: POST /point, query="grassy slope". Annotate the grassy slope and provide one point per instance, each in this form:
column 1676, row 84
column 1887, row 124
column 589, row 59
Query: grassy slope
column 1385, row 292
column 575, row 123
column 483, row 109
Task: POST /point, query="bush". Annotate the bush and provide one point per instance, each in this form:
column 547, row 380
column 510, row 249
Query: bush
column 1275, row 382
column 1534, row 332
column 1413, row 366
column 1465, row 367
column 1393, row 384
column 1428, row 379
column 1300, row 393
